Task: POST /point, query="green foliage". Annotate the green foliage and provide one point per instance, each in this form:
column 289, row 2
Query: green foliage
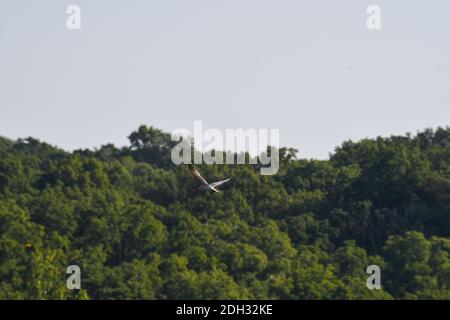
column 128, row 218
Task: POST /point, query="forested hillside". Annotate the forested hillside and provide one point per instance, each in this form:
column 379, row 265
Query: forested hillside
column 128, row 218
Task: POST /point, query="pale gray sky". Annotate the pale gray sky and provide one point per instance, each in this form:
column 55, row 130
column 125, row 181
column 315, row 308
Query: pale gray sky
column 309, row 68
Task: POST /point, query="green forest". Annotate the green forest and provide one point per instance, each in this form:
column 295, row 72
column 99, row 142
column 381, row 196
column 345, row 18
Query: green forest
column 128, row 217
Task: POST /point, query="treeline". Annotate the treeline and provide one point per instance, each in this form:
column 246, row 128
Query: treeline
column 128, row 218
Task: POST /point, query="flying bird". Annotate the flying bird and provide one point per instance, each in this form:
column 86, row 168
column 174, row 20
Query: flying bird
column 204, row 185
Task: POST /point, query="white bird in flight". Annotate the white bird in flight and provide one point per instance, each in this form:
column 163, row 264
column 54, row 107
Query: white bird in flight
column 205, row 186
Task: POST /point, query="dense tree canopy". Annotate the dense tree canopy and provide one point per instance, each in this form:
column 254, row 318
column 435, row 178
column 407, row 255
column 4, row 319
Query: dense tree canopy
column 128, row 218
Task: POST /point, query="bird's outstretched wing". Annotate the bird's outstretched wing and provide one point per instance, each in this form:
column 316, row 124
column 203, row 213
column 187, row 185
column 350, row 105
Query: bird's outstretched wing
column 218, row 183
column 197, row 174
